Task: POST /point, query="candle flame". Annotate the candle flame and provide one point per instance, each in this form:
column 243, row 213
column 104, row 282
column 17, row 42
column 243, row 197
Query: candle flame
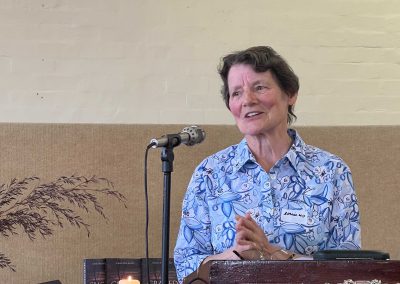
column 129, row 280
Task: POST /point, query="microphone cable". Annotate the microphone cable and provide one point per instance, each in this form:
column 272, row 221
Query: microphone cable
column 146, row 196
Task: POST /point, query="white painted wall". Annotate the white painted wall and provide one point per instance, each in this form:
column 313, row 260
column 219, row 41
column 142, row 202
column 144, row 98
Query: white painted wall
column 148, row 61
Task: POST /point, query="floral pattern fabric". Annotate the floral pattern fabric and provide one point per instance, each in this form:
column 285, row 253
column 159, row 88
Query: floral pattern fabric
column 305, row 203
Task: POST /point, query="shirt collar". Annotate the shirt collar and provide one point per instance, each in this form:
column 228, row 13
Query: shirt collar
column 296, row 152
column 242, row 156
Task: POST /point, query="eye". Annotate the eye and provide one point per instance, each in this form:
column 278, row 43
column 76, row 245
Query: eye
column 235, row 94
column 260, row 88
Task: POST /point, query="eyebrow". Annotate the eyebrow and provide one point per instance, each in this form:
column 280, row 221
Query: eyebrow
column 259, row 82
column 252, row 84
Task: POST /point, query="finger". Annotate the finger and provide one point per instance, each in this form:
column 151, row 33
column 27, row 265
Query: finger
column 247, row 222
column 244, row 245
column 244, row 234
column 251, row 219
column 244, row 231
column 248, row 235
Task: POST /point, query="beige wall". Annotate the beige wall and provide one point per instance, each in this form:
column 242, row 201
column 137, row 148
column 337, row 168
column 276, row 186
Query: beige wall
column 131, row 61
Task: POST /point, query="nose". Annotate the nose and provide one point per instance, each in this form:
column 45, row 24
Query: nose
column 249, row 97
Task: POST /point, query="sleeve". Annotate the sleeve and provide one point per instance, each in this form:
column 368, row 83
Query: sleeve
column 194, row 237
column 345, row 230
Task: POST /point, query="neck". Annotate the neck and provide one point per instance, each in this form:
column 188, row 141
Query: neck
column 269, row 148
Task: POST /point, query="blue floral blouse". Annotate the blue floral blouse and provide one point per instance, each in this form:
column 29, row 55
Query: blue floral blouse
column 305, row 203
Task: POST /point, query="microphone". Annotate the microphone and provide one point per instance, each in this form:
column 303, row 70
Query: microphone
column 190, row 136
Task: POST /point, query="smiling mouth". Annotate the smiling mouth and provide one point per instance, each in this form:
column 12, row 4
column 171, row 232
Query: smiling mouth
column 252, row 114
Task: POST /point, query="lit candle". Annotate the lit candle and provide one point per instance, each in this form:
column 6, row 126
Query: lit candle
column 129, row 281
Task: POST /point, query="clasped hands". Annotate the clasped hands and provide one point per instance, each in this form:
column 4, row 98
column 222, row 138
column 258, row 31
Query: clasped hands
column 252, row 244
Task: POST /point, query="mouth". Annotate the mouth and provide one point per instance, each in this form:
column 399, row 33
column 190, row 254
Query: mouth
column 252, row 114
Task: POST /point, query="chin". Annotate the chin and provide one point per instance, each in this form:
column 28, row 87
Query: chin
column 250, row 131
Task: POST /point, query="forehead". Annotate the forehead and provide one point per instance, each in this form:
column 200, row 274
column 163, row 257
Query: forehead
column 242, row 73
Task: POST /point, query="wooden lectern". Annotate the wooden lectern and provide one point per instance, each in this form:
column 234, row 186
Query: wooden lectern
column 307, row 272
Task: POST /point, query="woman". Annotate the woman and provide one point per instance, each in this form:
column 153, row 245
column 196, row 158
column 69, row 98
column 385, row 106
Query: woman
column 271, row 196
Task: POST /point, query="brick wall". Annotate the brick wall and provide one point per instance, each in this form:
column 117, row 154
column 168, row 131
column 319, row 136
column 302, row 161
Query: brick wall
column 148, row 61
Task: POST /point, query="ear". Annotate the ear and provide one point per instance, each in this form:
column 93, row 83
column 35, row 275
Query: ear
column 292, row 99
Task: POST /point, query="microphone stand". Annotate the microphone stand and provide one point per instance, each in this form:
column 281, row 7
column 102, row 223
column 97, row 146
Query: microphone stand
column 167, row 158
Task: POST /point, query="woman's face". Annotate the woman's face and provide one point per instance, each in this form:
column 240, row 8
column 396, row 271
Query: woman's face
column 256, row 101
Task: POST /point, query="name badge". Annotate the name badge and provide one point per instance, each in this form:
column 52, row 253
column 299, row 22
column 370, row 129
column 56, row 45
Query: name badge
column 294, row 216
